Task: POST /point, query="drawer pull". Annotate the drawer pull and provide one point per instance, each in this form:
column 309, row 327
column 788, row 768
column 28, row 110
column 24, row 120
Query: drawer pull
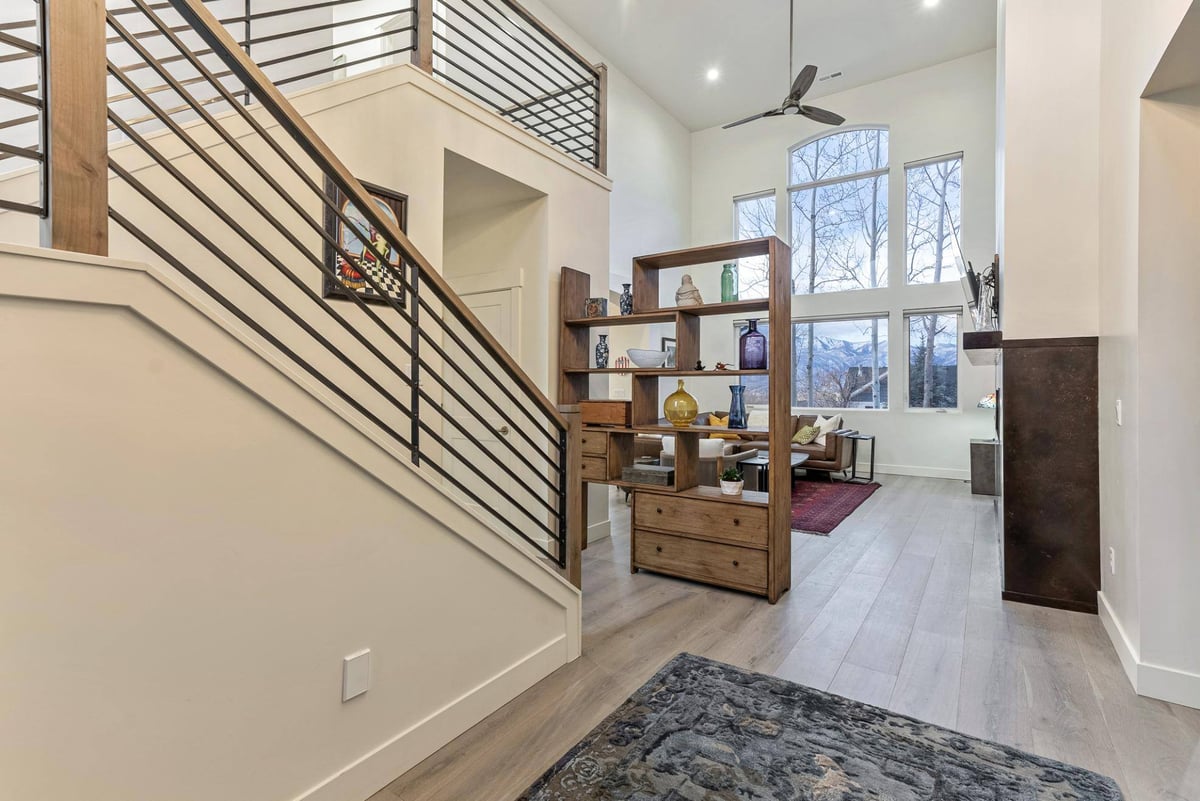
column 659, row 511
column 658, row 548
column 737, row 522
column 735, row 564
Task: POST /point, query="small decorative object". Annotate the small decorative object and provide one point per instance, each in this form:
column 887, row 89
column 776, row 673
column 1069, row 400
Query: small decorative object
column 602, row 352
column 626, row 300
column 737, row 406
column 622, row 363
column 732, row 482
column 595, row 307
column 648, row 474
column 752, row 349
column 729, row 284
column 687, row 294
column 681, row 408
column 668, row 345
column 699, row 365
column 722, row 367
column 376, row 259
column 647, row 358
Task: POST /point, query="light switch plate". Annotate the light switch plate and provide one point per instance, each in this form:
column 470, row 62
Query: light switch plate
column 356, row 674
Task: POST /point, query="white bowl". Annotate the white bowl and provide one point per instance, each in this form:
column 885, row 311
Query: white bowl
column 647, row 358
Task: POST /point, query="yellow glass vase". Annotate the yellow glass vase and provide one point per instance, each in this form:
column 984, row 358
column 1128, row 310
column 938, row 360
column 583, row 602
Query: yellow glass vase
column 681, row 408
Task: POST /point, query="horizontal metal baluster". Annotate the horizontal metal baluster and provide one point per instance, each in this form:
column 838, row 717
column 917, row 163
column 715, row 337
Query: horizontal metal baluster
column 478, row 26
column 225, row 259
column 170, row 259
column 579, row 68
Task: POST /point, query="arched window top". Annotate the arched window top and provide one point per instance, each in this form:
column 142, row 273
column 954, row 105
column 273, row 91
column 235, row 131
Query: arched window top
column 843, row 154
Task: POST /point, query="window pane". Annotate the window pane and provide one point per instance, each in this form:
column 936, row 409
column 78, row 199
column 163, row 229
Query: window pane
column 839, row 236
column 754, row 218
column 846, row 366
column 934, row 203
column 933, row 361
column 841, row 364
column 838, row 155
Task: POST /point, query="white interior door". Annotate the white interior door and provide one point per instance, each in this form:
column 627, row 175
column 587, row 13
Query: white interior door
column 480, row 418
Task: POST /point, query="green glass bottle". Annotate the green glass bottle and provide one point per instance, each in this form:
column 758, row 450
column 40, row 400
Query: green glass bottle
column 729, row 286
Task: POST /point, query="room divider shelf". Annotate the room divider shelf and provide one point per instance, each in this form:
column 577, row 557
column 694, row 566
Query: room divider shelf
column 687, row 529
column 661, row 372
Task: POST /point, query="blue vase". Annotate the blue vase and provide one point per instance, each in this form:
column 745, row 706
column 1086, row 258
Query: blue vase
column 737, row 406
column 626, row 300
column 602, row 352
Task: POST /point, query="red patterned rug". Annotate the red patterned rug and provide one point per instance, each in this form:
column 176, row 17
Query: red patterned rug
column 818, row 506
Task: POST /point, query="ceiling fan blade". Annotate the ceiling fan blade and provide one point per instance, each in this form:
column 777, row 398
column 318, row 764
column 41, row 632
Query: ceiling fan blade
column 770, row 113
column 804, row 81
column 821, row 115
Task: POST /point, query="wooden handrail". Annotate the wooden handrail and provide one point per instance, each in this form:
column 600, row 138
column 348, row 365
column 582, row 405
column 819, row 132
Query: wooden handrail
column 265, row 92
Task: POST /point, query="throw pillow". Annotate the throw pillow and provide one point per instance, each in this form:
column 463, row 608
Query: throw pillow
column 758, row 418
column 720, row 422
column 805, row 435
column 827, row 425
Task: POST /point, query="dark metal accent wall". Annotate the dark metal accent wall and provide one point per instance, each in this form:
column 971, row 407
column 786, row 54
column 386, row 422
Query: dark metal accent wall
column 22, row 103
column 1051, row 454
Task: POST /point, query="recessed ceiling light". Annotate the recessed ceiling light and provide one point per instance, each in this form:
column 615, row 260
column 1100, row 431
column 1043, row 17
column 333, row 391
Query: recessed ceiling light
column 713, row 74
column 930, row 3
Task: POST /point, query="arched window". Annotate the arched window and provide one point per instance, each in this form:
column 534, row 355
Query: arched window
column 838, row 193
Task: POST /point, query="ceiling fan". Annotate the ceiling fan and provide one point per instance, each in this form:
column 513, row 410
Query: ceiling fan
column 804, row 81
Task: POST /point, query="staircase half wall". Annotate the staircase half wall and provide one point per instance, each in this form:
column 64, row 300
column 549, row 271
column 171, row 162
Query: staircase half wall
column 195, row 536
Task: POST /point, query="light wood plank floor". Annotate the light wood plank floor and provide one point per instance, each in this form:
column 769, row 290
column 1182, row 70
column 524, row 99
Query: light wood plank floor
column 899, row 607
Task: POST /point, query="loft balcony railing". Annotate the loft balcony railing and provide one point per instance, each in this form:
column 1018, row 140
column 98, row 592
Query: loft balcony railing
column 181, row 151
column 22, row 100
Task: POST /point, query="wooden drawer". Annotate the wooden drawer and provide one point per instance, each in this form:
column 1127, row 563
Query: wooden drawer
column 732, row 522
column 713, row 562
column 595, row 442
column 595, row 468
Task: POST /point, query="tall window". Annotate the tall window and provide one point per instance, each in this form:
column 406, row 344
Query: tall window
column 838, row 364
column 934, row 210
column 753, row 217
column 838, row 190
column 933, row 361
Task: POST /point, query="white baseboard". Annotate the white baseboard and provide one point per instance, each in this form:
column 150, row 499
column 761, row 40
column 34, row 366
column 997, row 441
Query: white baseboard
column 1150, row 680
column 371, row 772
column 598, row 531
column 917, row 470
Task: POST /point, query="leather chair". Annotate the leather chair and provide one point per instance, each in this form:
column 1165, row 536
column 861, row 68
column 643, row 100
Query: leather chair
column 832, row 457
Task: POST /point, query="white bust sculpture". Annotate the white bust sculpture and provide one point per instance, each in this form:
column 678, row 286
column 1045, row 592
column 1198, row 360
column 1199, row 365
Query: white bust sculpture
column 687, row 294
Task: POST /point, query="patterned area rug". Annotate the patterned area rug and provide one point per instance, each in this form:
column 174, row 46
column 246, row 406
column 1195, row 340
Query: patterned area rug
column 705, row 731
column 819, row 506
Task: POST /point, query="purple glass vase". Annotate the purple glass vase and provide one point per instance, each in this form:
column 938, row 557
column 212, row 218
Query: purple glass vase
column 752, row 349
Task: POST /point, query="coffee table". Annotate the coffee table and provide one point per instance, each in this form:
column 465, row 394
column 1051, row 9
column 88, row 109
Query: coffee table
column 763, row 463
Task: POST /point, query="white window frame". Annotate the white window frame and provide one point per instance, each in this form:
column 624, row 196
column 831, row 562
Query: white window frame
column 906, row 316
column 962, row 203
column 859, row 176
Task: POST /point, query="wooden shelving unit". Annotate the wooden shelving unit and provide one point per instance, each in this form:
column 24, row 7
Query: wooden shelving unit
column 687, row 530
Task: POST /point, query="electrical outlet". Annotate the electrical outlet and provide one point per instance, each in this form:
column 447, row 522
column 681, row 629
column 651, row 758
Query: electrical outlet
column 618, row 392
column 356, row 674
column 1112, row 561
column 1120, row 422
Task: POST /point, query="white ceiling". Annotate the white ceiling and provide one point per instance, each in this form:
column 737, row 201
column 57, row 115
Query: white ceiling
column 667, row 46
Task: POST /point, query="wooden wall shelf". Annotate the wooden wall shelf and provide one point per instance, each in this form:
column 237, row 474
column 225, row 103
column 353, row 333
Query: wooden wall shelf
column 687, row 530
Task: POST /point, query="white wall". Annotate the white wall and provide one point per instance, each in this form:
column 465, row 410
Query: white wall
column 197, row 536
column 942, row 109
column 1145, row 603
column 1051, row 109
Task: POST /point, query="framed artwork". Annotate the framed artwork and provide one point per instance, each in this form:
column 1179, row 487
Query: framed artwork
column 668, row 347
column 366, row 260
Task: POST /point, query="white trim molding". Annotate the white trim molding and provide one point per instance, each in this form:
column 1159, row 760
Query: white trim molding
column 1150, row 680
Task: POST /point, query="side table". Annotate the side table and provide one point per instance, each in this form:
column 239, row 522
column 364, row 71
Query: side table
column 854, row 440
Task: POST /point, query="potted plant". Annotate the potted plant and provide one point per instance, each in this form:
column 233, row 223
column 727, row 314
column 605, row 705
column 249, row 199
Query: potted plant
column 731, row 481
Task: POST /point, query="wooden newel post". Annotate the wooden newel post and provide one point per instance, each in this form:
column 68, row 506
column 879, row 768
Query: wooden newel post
column 76, row 97
column 422, row 54
column 576, row 495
